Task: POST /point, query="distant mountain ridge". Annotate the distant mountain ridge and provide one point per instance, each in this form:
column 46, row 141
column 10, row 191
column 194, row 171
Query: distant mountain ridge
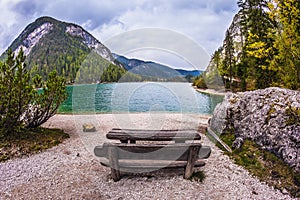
column 149, row 68
column 50, row 44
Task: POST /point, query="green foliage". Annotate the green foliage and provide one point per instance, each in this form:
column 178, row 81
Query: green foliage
column 261, row 48
column 294, row 116
column 287, row 42
column 229, row 62
column 264, row 164
column 46, row 102
column 21, row 105
column 211, row 77
column 198, row 176
column 199, row 82
column 16, row 92
column 112, row 73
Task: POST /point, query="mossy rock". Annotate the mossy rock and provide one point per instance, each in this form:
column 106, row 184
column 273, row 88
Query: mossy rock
column 88, row 127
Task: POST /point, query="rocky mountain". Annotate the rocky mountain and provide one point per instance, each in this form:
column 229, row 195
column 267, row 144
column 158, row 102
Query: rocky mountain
column 152, row 69
column 214, row 75
column 52, row 44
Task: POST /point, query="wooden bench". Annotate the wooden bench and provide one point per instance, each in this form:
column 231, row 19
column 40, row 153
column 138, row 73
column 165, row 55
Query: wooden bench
column 130, row 156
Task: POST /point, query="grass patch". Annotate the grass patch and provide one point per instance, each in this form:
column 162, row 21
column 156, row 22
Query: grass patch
column 198, row 176
column 29, row 142
column 294, row 116
column 265, row 165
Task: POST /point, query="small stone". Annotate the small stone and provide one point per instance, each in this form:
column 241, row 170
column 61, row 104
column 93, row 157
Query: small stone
column 238, row 143
column 88, row 127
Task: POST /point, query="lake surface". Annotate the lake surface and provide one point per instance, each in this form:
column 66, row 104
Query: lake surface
column 138, row 97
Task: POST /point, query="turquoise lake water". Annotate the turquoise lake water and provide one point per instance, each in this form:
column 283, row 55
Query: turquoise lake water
column 138, row 97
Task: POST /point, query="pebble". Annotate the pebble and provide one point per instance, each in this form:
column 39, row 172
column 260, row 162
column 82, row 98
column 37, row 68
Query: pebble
column 40, row 176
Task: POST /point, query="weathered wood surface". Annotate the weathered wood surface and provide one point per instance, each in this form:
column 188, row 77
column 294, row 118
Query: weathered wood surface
column 177, row 151
column 124, row 156
column 151, row 164
column 125, row 135
column 113, row 158
column 192, row 157
column 102, row 151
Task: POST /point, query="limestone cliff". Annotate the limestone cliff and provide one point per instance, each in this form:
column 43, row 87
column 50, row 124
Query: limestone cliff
column 270, row 117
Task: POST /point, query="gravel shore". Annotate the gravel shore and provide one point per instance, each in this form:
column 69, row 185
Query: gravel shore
column 71, row 171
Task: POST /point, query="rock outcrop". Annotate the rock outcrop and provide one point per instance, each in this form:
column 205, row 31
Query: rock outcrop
column 270, row 117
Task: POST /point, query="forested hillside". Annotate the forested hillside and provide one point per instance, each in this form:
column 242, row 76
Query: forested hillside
column 261, row 48
column 50, row 45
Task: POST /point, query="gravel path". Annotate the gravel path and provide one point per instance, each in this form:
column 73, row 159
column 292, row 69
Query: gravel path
column 70, row 170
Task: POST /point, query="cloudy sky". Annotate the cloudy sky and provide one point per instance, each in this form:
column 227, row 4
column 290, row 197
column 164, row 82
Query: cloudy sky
column 202, row 22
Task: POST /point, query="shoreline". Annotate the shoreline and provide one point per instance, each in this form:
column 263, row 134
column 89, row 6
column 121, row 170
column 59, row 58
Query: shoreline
column 202, row 115
column 70, row 170
column 210, row 91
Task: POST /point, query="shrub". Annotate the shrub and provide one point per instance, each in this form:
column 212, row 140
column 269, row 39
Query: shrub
column 22, row 105
column 199, row 82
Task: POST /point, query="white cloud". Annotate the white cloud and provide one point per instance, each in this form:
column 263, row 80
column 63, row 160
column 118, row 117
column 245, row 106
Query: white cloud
column 153, row 42
column 203, row 21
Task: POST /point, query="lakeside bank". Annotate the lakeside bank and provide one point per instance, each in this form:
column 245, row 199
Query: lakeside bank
column 70, row 170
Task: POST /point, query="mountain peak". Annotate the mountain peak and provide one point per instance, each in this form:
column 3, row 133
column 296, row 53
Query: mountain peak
column 52, row 44
column 57, row 30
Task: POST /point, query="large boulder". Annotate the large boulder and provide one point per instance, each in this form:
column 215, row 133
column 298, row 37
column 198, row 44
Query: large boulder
column 270, row 117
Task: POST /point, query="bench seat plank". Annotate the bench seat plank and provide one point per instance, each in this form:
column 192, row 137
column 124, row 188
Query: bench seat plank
column 102, row 151
column 153, row 135
column 177, row 151
column 151, row 164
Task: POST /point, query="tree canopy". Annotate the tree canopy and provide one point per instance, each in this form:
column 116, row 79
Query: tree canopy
column 26, row 101
column 262, row 46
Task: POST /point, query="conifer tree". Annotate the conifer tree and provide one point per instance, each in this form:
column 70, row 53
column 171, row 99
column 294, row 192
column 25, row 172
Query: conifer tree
column 258, row 48
column 22, row 106
column 229, row 59
column 287, row 42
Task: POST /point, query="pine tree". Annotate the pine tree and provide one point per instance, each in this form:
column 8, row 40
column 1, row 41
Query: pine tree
column 258, row 47
column 229, row 59
column 22, row 105
column 287, row 13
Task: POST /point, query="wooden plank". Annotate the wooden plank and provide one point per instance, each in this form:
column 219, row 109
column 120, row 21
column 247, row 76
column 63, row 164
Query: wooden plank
column 151, row 164
column 204, row 152
column 156, row 164
column 102, row 150
column 152, row 130
column 177, row 151
column 153, row 135
column 114, row 163
column 192, row 157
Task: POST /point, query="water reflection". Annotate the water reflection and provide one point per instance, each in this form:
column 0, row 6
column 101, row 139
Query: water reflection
column 138, row 97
